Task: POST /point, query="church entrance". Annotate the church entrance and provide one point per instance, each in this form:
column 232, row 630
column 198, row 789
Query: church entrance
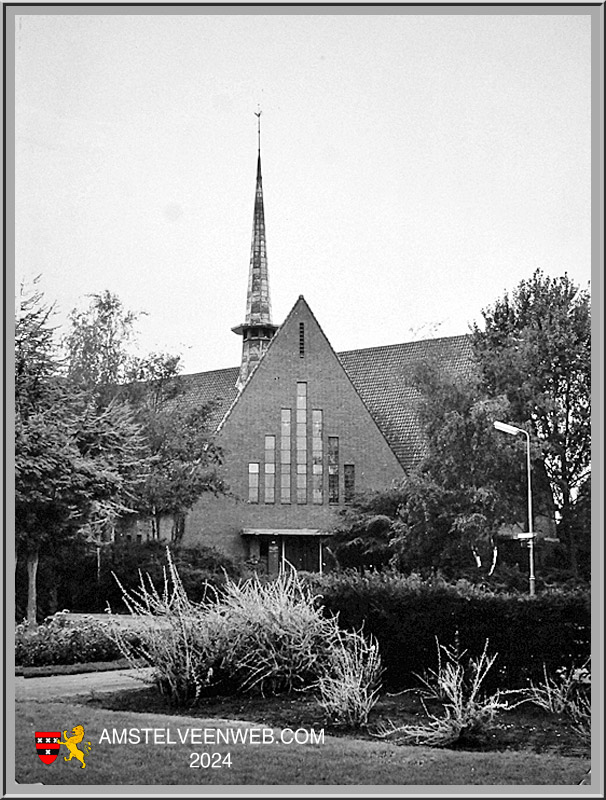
column 279, row 550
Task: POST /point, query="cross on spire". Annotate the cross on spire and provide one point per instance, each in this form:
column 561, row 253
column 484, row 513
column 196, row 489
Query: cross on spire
column 258, row 116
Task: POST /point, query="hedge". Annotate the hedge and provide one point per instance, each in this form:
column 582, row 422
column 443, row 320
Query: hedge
column 406, row 614
column 61, row 640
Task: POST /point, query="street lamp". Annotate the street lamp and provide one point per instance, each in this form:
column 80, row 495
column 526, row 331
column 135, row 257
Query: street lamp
column 513, row 431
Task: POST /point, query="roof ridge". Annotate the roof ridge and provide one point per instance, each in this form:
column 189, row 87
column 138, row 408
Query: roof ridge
column 460, row 336
column 338, row 353
column 206, row 372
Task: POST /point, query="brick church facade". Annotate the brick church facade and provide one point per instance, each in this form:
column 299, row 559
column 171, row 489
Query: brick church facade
column 303, row 428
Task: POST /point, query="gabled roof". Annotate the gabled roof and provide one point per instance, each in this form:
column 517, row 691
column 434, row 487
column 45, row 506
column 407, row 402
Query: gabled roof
column 217, row 387
column 383, row 378
column 381, row 375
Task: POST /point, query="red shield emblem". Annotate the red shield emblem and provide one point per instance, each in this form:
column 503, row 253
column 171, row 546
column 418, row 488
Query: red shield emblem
column 47, row 745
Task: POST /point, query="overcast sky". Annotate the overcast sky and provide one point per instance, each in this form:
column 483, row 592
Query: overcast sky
column 414, row 167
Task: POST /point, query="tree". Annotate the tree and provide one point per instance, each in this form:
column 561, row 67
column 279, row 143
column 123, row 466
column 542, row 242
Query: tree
column 75, row 467
column 182, row 458
column 448, row 512
column 98, row 343
column 43, row 449
column 363, row 538
column 470, row 482
column 535, row 349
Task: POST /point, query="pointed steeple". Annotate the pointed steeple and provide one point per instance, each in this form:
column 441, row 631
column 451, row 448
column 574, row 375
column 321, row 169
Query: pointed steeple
column 257, row 330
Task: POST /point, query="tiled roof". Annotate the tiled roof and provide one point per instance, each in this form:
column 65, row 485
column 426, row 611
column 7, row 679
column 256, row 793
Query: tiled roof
column 382, row 377
column 217, row 387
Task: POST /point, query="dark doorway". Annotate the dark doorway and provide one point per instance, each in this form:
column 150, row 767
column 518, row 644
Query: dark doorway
column 303, row 552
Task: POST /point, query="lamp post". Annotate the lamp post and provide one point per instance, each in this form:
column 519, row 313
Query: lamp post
column 513, row 431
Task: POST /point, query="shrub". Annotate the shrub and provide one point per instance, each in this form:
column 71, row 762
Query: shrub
column 78, row 578
column 257, row 636
column 349, row 688
column 59, row 640
column 580, row 713
column 558, row 695
column 171, row 636
column 275, row 638
column 568, row 693
column 457, row 684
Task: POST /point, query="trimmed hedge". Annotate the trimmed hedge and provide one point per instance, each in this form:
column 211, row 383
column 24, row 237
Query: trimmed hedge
column 406, row 614
column 61, row 640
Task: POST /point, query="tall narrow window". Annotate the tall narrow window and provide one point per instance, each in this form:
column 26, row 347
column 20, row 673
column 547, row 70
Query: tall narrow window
column 333, row 469
column 349, row 482
column 302, row 339
column 301, row 450
column 285, row 455
column 317, row 466
column 253, row 483
column 270, row 469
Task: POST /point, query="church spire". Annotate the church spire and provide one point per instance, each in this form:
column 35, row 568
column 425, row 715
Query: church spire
column 257, row 329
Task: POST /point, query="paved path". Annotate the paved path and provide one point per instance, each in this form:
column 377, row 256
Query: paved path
column 63, row 687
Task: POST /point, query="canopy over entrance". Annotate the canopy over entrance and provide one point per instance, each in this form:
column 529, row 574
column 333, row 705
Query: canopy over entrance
column 276, row 549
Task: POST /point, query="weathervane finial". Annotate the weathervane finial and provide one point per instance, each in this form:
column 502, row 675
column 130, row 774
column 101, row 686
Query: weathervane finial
column 258, row 116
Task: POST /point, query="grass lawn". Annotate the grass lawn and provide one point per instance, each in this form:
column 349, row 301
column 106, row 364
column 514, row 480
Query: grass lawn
column 340, row 760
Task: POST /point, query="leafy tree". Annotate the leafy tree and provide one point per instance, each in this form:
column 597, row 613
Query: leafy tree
column 535, row 349
column 469, row 482
column 447, row 513
column 363, row 537
column 36, row 363
column 98, row 343
column 74, row 467
column 182, row 458
column 44, row 451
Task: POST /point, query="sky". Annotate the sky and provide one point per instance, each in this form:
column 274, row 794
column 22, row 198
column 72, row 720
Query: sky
column 416, row 166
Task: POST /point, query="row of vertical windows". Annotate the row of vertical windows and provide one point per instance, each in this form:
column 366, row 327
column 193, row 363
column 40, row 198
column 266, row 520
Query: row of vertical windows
column 301, row 459
column 349, row 478
column 285, row 478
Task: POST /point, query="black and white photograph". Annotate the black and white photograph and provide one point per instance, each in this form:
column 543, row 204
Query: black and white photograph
column 298, row 400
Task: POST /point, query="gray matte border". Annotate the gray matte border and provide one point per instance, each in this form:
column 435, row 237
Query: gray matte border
column 596, row 11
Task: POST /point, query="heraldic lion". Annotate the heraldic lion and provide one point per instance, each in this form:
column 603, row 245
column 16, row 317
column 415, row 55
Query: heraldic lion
column 72, row 742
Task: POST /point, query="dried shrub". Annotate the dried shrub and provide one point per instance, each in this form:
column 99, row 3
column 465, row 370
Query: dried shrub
column 350, row 687
column 567, row 693
column 172, row 638
column 257, row 636
column 457, row 685
column 559, row 694
column 274, row 636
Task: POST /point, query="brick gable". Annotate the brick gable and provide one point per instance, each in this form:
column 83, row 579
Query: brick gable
column 382, row 377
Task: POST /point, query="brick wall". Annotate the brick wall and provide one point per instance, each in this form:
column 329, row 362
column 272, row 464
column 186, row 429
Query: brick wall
column 295, row 355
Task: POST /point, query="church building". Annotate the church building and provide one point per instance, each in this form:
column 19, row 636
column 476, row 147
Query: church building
column 303, row 428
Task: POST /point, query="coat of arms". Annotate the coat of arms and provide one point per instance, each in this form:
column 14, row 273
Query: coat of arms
column 47, row 745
